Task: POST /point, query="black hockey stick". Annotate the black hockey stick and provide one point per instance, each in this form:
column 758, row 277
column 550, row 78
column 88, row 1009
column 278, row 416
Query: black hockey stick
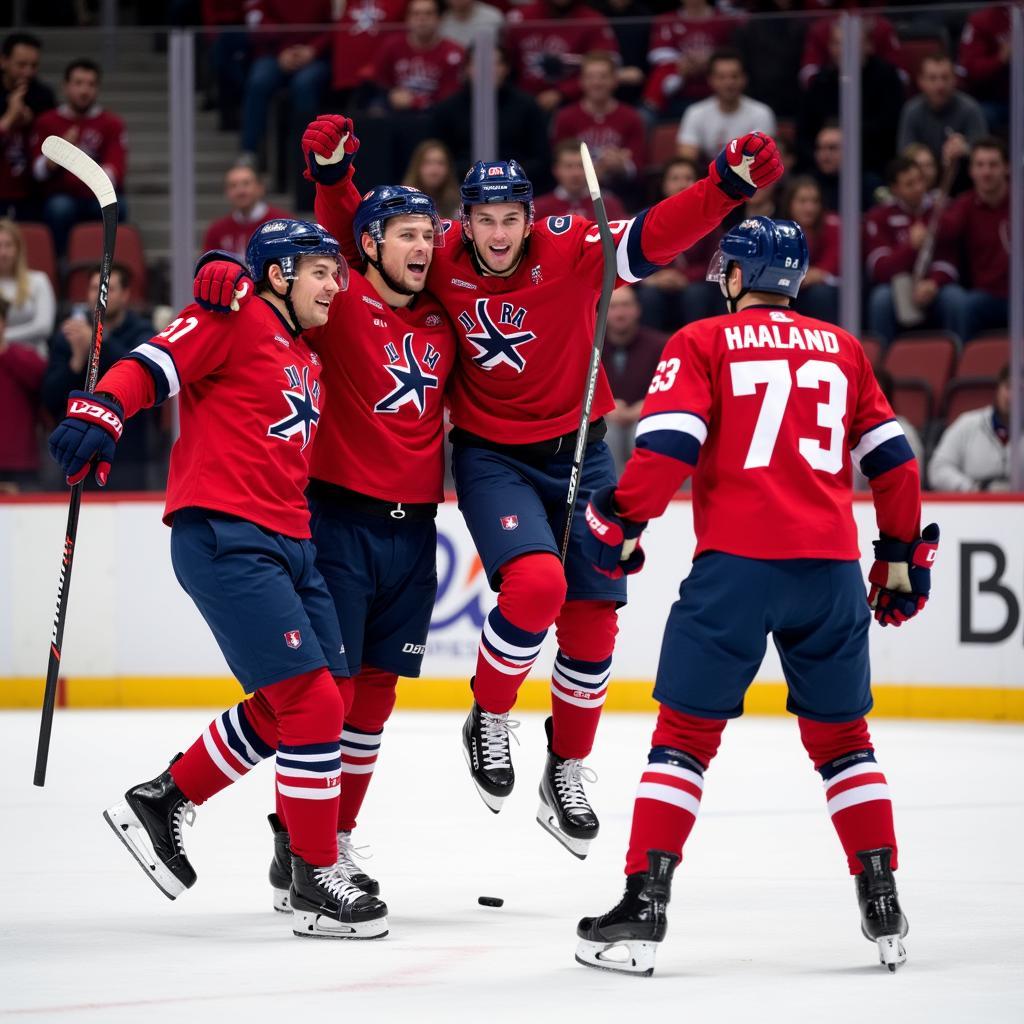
column 83, row 167
column 607, row 287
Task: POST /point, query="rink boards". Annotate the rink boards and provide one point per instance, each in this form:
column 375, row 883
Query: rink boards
column 133, row 639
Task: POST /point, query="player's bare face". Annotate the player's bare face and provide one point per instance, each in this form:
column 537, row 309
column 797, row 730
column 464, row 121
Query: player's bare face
column 408, row 249
column 316, row 284
column 498, row 230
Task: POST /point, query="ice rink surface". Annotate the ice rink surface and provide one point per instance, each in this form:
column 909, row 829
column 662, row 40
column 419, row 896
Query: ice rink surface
column 763, row 924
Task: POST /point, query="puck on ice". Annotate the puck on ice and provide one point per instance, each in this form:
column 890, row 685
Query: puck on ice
column 490, row 901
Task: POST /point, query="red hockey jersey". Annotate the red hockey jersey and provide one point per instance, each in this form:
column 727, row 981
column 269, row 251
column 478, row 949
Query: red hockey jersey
column 431, row 74
column 769, row 410
column 232, row 232
column 621, row 128
column 100, row 135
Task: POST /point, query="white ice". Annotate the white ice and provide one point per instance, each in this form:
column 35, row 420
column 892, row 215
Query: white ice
column 763, row 925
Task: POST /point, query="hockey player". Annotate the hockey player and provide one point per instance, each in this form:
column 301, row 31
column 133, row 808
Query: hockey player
column 250, row 404
column 377, row 474
column 522, row 297
column 776, row 406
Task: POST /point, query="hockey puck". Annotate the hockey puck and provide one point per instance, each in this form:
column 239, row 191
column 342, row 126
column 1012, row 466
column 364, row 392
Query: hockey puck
column 490, row 901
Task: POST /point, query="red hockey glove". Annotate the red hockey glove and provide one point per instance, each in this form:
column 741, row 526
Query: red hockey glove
column 611, row 543
column 901, row 578
column 745, row 165
column 328, row 146
column 221, row 283
column 87, row 436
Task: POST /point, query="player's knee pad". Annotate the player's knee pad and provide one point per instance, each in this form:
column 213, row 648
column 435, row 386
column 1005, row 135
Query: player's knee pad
column 261, row 717
column 698, row 737
column 825, row 741
column 587, row 629
column 374, row 699
column 308, row 707
column 532, row 590
column 347, row 689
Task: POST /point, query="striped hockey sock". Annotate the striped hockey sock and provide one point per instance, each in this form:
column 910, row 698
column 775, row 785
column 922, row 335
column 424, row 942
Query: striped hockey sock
column 578, row 691
column 308, row 784
column 667, row 802
column 359, row 749
column 228, row 748
column 504, row 660
column 860, row 806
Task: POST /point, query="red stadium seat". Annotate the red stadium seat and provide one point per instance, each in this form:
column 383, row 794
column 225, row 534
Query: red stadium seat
column 85, row 247
column 921, row 365
column 984, row 356
column 872, row 345
column 39, row 251
column 662, row 144
column 968, row 393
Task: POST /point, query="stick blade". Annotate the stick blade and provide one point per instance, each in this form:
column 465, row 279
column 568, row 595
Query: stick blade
column 588, row 169
column 82, row 166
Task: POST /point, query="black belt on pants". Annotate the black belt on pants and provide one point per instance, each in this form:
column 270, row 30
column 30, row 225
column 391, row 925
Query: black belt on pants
column 342, row 497
column 539, row 451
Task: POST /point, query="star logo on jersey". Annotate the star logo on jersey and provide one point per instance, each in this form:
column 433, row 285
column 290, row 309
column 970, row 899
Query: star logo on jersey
column 305, row 414
column 492, row 344
column 411, row 382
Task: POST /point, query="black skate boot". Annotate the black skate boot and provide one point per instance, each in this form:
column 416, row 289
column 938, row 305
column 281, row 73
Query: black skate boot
column 325, row 905
column 148, row 821
column 281, row 865
column 631, row 931
column 486, row 747
column 564, row 810
column 348, row 854
column 881, row 919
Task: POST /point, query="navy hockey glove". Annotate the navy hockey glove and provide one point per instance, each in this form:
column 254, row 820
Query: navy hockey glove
column 328, row 147
column 221, row 283
column 87, row 436
column 611, row 542
column 901, row 578
column 745, row 165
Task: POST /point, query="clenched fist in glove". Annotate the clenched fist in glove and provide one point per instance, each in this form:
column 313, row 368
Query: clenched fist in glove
column 87, row 436
column 221, row 283
column 611, row 543
column 745, row 165
column 328, row 146
column 901, row 578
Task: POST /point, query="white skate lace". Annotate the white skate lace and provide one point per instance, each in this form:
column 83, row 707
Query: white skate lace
column 494, row 733
column 569, row 778
column 186, row 813
column 335, row 883
column 348, row 852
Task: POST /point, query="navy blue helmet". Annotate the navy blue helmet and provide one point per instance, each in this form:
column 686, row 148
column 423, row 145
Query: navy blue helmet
column 772, row 254
column 496, row 182
column 284, row 241
column 381, row 204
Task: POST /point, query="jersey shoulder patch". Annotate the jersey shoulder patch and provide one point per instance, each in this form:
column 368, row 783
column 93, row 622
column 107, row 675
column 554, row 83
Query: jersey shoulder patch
column 558, row 225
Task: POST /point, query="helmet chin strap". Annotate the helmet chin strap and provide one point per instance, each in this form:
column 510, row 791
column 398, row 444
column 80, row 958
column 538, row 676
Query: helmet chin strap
column 378, row 265
column 296, row 326
column 731, row 301
column 481, row 266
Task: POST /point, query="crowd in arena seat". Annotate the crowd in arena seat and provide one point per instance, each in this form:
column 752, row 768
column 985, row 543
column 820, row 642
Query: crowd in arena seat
column 654, row 87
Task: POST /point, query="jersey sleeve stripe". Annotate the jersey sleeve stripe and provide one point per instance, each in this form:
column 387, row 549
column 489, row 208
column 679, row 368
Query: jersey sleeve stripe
column 882, row 448
column 630, row 261
column 678, row 435
column 161, row 366
column 686, row 422
column 872, row 438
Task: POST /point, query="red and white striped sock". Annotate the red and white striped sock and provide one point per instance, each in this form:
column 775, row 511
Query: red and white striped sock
column 359, row 750
column 504, row 660
column 308, row 783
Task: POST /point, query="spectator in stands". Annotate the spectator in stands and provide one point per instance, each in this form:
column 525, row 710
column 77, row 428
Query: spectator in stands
column 893, row 235
column 984, row 56
column 680, row 49
column 827, row 163
column 21, row 374
column 630, row 357
column 727, row 114
column 98, row 132
column 31, row 306
column 970, row 278
column 821, row 51
column 679, row 294
column 123, row 330
column 819, row 294
column 974, row 452
column 946, row 120
column 547, row 56
column 244, row 191
column 613, row 131
column 773, row 81
column 570, row 196
column 431, row 171
column 285, row 54
column 464, row 19
column 630, row 21
column 928, row 165
column 521, row 124
column 418, row 68
column 356, row 38
column 22, row 99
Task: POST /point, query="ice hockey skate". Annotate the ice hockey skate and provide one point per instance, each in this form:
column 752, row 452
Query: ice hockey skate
column 148, row 821
column 325, row 905
column 348, row 856
column 626, row 938
column 882, row 920
column 486, row 749
column 280, row 873
column 564, row 810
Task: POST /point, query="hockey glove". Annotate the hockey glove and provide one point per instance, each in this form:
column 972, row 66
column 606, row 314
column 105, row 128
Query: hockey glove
column 611, row 543
column 328, row 146
column 901, row 577
column 221, row 283
column 87, row 436
column 745, row 165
